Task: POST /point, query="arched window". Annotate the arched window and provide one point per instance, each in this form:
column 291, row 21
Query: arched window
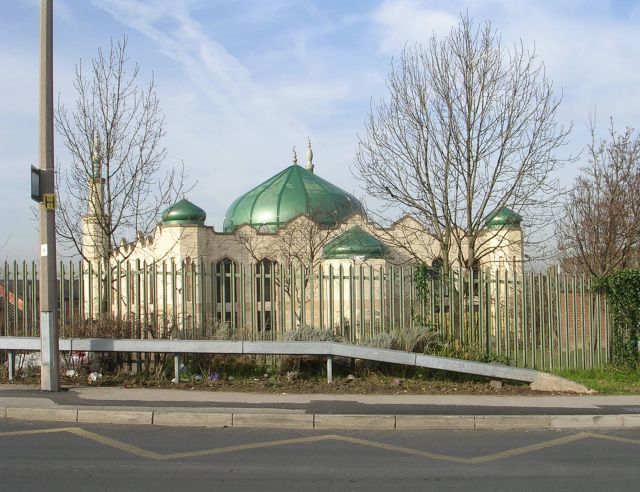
column 436, row 266
column 475, row 269
column 223, row 279
column 226, row 291
column 264, row 280
column 188, row 278
column 264, row 270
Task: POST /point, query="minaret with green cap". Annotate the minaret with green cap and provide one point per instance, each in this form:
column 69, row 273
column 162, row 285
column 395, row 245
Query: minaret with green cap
column 95, row 240
column 503, row 238
column 95, row 234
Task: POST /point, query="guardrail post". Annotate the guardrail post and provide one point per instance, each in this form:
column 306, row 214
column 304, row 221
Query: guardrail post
column 176, row 367
column 329, row 369
column 11, row 364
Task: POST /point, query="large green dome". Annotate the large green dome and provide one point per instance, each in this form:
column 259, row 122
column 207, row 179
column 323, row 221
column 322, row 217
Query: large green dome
column 184, row 212
column 286, row 195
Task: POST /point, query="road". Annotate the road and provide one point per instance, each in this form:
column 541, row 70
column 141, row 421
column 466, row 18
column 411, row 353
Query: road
column 40, row 456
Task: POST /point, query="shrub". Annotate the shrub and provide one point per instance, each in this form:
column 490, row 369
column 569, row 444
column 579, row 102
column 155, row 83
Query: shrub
column 623, row 294
column 420, row 339
column 310, row 334
column 309, row 365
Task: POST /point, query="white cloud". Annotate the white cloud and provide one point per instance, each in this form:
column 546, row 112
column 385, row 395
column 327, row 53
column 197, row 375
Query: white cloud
column 221, row 78
column 241, row 82
column 402, row 21
column 220, row 121
column 232, row 128
column 591, row 54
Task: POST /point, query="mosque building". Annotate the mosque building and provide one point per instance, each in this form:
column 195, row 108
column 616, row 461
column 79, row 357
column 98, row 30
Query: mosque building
column 242, row 274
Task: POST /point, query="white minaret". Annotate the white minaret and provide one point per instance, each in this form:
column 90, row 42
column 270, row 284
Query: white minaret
column 96, row 181
column 95, row 237
column 95, row 240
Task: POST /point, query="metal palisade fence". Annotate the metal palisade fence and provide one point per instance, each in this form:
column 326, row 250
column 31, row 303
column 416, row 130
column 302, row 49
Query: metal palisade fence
column 535, row 320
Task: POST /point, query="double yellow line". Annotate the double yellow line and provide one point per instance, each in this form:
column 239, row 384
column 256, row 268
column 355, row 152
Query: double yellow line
column 137, row 451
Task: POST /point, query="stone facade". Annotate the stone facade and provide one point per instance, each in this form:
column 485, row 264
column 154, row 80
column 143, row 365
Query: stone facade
column 184, row 242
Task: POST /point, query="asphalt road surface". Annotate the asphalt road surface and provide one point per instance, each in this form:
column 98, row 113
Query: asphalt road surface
column 41, row 456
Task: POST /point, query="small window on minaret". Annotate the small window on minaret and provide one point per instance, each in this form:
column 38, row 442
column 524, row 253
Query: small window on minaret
column 188, row 280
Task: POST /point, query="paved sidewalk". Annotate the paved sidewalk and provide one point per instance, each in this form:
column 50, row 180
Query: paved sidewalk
column 184, row 407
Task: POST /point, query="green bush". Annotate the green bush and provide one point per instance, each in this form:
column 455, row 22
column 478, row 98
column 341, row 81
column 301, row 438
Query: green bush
column 623, row 295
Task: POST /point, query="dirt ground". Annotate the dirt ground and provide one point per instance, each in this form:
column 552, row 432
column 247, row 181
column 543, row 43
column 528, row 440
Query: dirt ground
column 368, row 385
column 348, row 380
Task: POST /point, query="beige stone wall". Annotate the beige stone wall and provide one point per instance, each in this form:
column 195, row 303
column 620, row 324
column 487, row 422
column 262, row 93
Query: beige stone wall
column 408, row 241
column 506, row 248
column 201, row 246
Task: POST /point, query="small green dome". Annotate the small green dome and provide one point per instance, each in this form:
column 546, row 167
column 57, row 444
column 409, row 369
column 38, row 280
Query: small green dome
column 355, row 242
column 184, row 212
column 503, row 219
column 292, row 192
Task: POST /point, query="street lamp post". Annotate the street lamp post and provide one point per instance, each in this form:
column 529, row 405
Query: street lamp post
column 50, row 368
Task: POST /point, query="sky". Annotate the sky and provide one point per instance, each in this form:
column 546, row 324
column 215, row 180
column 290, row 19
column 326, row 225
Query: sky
column 242, row 82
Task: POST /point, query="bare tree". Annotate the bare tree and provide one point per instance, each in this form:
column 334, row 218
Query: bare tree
column 600, row 228
column 468, row 128
column 299, row 243
column 114, row 183
column 302, row 242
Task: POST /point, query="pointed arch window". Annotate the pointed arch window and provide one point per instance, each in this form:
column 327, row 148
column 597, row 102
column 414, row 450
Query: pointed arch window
column 436, row 266
column 264, row 281
column 226, row 294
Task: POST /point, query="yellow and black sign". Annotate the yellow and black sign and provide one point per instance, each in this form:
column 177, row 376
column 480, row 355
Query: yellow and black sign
column 49, row 200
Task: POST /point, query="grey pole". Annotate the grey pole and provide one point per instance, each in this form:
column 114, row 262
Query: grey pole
column 176, row 367
column 49, row 372
column 12, row 364
column 329, row 369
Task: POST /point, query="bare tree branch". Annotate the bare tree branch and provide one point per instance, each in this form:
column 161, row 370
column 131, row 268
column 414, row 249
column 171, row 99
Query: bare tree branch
column 130, row 125
column 468, row 128
column 600, row 229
